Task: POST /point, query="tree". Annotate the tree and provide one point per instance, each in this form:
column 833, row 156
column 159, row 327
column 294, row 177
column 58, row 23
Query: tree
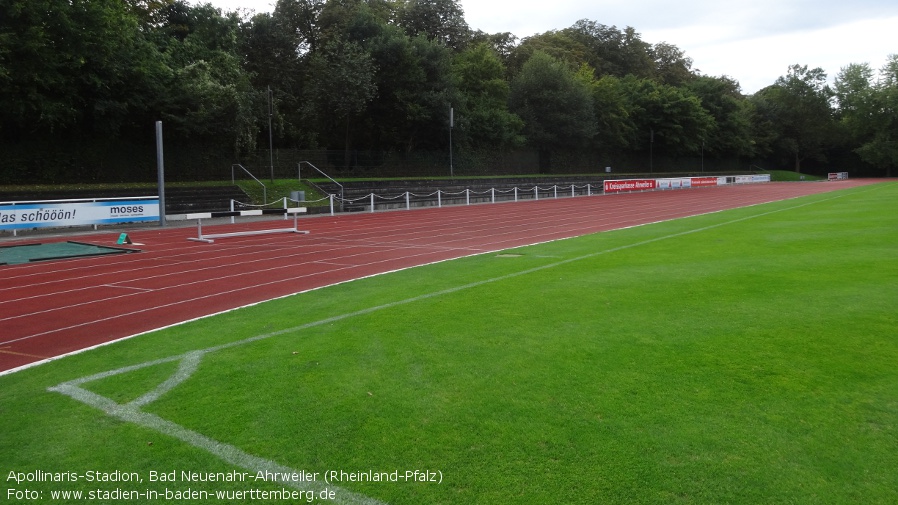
column 722, row 99
column 611, row 110
column 72, row 66
column 852, row 89
column 502, row 44
column 486, row 118
column 342, row 84
column 672, row 66
column 798, row 107
column 868, row 110
column 150, row 13
column 298, row 22
column 210, row 98
column 274, row 54
column 557, row 44
column 442, row 21
column 555, row 106
column 414, row 92
column 611, row 51
column 671, row 118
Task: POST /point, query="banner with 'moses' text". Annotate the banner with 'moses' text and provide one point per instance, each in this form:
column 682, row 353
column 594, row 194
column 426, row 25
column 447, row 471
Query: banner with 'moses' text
column 26, row 215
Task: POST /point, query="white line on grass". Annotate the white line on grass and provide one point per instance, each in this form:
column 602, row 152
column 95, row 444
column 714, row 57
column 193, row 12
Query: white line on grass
column 131, row 412
column 189, row 363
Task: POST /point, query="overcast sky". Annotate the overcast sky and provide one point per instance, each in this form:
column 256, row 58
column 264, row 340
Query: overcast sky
column 753, row 42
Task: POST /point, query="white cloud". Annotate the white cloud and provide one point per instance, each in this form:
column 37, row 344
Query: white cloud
column 757, row 61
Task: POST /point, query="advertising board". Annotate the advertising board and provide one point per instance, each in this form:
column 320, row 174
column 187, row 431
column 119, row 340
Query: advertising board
column 625, row 185
column 60, row 213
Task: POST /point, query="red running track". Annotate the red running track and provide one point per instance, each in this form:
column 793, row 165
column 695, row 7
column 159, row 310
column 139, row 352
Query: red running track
column 52, row 308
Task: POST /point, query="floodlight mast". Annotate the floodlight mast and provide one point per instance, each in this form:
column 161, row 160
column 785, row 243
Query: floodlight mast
column 270, row 138
column 451, row 125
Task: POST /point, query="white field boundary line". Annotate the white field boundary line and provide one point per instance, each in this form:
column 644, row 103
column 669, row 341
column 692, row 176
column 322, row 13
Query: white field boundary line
column 38, row 363
column 326, row 242
column 179, row 274
column 198, row 261
column 189, row 362
column 135, row 291
column 553, row 221
column 233, row 252
column 103, row 344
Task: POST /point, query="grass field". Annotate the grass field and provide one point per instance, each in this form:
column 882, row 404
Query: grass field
column 741, row 357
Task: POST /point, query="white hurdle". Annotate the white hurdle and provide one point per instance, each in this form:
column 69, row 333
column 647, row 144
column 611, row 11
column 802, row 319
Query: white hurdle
column 258, row 212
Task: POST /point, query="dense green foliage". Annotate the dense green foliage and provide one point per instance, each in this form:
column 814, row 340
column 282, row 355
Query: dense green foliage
column 81, row 84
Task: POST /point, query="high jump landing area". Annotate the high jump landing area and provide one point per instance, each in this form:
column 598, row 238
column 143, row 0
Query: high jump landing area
column 51, row 308
column 38, row 251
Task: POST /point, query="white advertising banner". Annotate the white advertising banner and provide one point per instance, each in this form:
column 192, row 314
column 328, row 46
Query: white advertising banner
column 26, row 215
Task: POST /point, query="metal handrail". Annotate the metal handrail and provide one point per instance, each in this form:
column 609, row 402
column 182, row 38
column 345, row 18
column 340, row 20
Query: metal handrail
column 264, row 189
column 329, row 177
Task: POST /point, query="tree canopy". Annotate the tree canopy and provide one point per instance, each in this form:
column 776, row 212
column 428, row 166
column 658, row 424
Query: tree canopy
column 381, row 75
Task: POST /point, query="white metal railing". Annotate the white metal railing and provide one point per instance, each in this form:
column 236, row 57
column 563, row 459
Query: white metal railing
column 406, row 199
column 372, row 200
column 299, row 176
column 264, row 189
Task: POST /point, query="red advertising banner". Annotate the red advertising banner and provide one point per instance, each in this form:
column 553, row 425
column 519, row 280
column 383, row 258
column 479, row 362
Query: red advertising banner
column 629, row 185
column 703, row 182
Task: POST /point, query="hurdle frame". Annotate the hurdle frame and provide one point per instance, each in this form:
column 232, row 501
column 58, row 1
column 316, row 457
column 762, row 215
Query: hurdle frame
column 209, row 239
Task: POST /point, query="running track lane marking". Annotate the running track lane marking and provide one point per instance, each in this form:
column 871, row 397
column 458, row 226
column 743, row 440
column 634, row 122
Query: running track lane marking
column 189, row 363
column 4, row 351
column 275, row 282
column 130, row 288
column 337, row 267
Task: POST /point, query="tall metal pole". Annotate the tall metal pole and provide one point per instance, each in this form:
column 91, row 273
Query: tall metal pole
column 451, row 125
column 160, row 170
column 270, row 137
column 652, row 151
column 703, row 156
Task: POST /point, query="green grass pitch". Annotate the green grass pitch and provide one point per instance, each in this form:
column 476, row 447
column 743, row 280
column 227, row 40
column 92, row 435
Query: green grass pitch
column 747, row 356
